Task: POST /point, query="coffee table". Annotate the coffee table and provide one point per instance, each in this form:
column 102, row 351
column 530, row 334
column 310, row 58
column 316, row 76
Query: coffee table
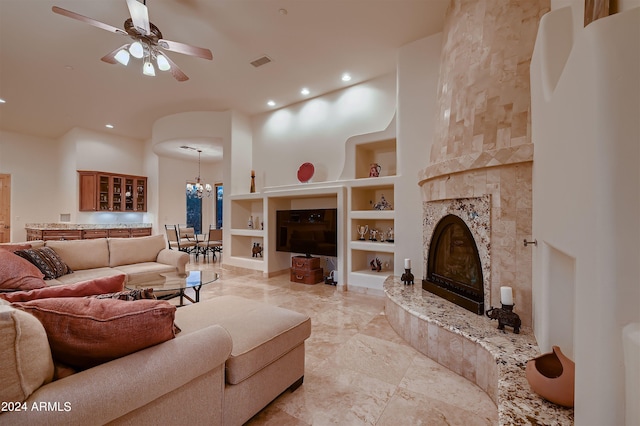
column 173, row 284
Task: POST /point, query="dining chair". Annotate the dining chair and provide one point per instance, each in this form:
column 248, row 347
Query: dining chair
column 212, row 244
column 188, row 239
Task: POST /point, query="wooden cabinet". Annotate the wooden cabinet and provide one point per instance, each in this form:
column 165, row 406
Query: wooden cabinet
column 85, row 234
column 88, row 234
column 140, row 232
column 54, row 234
column 102, row 191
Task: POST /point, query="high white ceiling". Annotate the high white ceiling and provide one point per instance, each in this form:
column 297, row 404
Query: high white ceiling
column 53, row 80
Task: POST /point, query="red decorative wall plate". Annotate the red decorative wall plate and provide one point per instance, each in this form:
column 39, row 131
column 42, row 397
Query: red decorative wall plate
column 305, row 172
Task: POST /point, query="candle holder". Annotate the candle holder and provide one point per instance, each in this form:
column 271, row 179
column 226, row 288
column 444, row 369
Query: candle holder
column 407, row 277
column 505, row 316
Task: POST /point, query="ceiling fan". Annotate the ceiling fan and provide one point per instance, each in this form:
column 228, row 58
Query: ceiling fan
column 146, row 44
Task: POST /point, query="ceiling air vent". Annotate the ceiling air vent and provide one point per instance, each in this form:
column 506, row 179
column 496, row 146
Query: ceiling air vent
column 261, row 61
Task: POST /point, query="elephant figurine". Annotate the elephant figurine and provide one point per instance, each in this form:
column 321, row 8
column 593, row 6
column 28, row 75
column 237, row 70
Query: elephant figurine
column 505, row 316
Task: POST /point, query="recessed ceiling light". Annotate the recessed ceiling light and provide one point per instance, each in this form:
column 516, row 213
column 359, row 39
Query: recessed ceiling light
column 68, row 67
column 2, row 101
column 109, row 126
column 304, row 91
column 271, row 103
column 346, row 77
column 282, row 11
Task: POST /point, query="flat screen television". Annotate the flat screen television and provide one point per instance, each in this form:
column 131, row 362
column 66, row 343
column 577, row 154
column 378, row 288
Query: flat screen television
column 310, row 231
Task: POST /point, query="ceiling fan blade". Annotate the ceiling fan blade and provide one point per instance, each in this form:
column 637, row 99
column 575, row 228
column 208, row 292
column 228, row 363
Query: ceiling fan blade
column 140, row 16
column 90, row 21
column 185, row 49
column 110, row 58
column 175, row 71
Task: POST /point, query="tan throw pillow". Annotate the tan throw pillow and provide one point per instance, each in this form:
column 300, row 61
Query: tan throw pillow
column 25, row 357
column 92, row 287
column 84, row 332
column 17, row 273
column 47, row 261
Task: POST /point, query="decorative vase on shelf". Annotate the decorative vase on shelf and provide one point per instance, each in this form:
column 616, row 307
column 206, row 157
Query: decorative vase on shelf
column 552, row 376
column 252, row 188
column 250, row 223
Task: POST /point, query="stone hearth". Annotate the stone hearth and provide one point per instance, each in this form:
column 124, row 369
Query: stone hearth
column 472, row 346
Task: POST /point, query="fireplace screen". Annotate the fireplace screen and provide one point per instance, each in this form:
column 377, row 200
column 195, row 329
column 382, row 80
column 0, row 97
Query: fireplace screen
column 454, row 271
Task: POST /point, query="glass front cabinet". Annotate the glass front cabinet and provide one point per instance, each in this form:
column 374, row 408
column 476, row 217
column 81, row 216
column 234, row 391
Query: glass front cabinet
column 109, row 192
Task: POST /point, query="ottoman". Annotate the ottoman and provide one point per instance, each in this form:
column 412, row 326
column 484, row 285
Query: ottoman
column 267, row 355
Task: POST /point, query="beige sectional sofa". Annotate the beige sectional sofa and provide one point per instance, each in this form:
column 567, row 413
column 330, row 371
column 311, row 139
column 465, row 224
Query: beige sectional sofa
column 231, row 358
column 102, row 257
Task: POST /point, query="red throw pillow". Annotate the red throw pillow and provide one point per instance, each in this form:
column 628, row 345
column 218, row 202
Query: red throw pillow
column 84, row 332
column 14, row 247
column 17, row 273
column 92, row 287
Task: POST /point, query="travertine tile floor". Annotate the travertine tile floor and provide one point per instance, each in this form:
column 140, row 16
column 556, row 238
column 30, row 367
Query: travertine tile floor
column 358, row 370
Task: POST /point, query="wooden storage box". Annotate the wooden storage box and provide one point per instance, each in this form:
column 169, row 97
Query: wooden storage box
column 313, row 276
column 303, row 263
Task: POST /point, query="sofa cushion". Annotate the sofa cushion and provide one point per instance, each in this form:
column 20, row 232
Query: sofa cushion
column 84, row 332
column 25, row 358
column 47, row 260
column 86, row 288
column 261, row 333
column 85, row 275
column 127, row 251
column 82, row 254
column 17, row 273
column 139, row 270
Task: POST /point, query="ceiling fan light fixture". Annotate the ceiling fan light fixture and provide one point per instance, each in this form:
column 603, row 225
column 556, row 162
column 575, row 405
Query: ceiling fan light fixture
column 123, row 57
column 163, row 64
column 136, row 50
column 148, row 69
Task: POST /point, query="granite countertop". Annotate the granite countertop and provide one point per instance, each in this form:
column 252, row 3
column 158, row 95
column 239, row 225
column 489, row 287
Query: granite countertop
column 517, row 403
column 76, row 226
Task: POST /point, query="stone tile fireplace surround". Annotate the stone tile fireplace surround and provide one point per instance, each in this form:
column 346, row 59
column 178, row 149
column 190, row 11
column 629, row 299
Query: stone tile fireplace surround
column 476, row 214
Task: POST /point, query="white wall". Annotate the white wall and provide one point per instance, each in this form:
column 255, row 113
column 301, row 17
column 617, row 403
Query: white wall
column 586, row 202
column 88, row 150
column 316, row 130
column 34, row 166
column 173, row 174
column 418, row 70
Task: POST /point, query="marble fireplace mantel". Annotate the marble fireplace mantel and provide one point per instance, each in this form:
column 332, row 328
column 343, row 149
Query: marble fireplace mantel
column 472, row 346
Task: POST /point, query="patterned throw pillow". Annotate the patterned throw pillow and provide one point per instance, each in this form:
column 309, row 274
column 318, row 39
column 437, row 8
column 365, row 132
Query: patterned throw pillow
column 47, row 261
column 139, row 294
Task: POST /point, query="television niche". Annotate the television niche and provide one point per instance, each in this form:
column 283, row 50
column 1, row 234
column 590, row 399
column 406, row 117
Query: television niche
column 312, row 231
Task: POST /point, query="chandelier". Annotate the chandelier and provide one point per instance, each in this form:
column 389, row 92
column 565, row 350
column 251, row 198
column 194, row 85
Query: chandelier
column 198, row 190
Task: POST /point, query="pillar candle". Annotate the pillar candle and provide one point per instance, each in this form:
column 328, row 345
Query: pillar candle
column 506, row 295
column 407, row 264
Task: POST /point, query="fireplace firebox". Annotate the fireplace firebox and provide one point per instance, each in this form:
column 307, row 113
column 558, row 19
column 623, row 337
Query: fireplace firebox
column 454, row 270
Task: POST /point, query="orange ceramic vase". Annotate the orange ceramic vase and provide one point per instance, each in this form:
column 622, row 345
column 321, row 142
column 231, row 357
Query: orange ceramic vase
column 552, row 376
